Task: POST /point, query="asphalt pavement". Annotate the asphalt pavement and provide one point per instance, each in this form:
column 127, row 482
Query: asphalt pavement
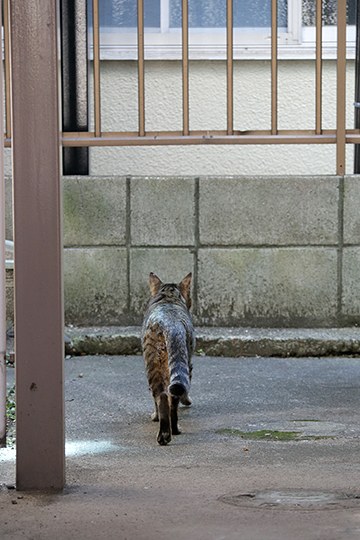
column 269, row 450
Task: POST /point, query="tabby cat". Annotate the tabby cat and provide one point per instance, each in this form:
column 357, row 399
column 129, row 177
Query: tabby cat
column 168, row 342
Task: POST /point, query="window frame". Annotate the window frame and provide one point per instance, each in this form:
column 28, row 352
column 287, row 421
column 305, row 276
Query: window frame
column 164, row 43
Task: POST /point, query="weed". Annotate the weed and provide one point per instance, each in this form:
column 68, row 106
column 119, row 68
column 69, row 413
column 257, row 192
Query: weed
column 10, row 416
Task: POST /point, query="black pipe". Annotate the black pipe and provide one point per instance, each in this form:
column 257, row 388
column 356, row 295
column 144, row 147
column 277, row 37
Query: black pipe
column 74, row 61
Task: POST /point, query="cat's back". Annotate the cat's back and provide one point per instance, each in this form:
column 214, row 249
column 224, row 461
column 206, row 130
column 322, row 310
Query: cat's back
column 167, row 316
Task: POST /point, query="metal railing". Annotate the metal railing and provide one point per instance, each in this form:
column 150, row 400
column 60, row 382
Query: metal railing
column 40, row 461
column 339, row 135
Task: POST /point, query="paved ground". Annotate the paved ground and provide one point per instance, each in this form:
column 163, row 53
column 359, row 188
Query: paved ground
column 209, row 483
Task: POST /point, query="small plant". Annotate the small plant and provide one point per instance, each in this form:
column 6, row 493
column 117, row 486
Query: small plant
column 10, row 417
column 10, row 405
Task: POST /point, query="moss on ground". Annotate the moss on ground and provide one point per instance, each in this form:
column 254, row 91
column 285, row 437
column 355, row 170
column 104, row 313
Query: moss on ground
column 271, row 435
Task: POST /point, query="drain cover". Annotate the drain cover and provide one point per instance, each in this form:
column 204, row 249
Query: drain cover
column 293, row 500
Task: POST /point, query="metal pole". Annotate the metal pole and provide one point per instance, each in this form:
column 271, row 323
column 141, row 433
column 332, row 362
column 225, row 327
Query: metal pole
column 357, row 88
column 2, row 277
column 341, row 89
column 230, row 66
column 274, row 67
column 318, row 69
column 141, row 67
column 185, row 65
column 96, row 65
column 39, row 344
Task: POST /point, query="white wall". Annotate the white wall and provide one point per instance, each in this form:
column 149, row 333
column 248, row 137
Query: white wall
column 208, row 111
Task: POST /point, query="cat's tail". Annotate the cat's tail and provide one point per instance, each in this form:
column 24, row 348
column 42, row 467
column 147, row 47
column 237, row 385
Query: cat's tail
column 178, row 358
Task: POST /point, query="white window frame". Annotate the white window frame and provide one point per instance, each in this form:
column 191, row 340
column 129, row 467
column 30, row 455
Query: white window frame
column 296, row 42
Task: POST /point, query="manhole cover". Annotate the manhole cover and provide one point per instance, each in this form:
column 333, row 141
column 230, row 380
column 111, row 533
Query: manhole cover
column 293, row 500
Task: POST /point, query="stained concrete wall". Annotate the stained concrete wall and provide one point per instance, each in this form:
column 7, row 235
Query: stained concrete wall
column 273, row 251
column 264, row 251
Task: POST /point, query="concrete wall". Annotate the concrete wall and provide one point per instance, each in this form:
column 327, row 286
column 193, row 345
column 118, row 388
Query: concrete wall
column 264, row 251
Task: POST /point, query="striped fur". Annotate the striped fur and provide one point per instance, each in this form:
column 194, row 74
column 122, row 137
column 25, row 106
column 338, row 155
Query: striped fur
column 168, row 343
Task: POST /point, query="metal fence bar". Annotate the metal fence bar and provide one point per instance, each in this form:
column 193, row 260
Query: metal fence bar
column 185, row 65
column 37, row 188
column 141, row 67
column 2, row 281
column 177, row 138
column 274, row 68
column 341, row 88
column 6, row 7
column 356, row 169
column 318, row 62
column 96, row 60
column 230, row 66
column 186, row 136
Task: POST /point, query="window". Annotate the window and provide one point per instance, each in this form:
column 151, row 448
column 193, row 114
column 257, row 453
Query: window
column 212, row 14
column 329, row 22
column 123, row 13
column 207, row 22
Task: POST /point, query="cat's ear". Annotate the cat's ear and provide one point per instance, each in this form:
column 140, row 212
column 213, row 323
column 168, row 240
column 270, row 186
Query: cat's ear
column 185, row 287
column 155, row 283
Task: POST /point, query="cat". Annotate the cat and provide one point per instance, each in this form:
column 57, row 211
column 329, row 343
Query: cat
column 168, row 341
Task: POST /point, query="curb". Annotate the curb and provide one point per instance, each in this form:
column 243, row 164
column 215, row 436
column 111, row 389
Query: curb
column 229, row 342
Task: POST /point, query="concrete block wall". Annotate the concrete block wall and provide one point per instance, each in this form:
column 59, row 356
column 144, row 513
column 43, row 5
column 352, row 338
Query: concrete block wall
column 264, row 251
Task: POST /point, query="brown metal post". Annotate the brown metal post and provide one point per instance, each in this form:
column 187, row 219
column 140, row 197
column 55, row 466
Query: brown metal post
column 96, row 61
column 318, row 63
column 141, row 67
column 230, row 66
column 2, row 280
column 39, row 344
column 341, row 88
column 185, row 65
column 274, row 68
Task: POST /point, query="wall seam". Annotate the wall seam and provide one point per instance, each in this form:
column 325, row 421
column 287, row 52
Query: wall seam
column 235, row 246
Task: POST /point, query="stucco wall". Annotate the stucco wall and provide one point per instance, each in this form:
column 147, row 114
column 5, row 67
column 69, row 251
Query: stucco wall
column 264, row 251
column 163, row 87
column 208, row 111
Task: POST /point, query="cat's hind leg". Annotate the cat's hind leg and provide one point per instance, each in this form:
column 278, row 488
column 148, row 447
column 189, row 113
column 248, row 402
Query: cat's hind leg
column 155, row 414
column 164, row 434
column 186, row 400
column 174, row 403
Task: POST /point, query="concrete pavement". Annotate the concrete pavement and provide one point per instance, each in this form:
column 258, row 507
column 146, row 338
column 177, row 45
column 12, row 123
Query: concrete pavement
column 299, row 478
